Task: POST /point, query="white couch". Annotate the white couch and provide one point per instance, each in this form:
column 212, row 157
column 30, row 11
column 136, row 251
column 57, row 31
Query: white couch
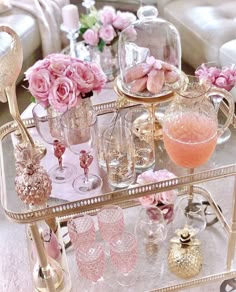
column 27, row 26
column 207, row 29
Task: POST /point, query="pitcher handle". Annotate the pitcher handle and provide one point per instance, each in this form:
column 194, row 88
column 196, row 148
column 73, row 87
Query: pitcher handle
column 228, row 96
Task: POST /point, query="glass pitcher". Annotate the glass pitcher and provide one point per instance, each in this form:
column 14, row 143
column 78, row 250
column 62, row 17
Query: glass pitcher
column 190, row 124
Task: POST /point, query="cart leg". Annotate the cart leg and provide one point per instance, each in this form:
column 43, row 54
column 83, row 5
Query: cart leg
column 42, row 256
column 232, row 236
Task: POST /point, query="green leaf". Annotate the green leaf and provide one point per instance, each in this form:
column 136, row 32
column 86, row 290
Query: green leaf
column 83, row 30
column 32, row 99
column 88, row 20
column 101, row 45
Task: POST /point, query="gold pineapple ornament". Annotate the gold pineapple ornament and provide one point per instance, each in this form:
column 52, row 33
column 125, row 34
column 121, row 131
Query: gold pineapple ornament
column 184, row 257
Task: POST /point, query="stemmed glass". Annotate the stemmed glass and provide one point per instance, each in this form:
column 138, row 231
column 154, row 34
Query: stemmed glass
column 151, row 230
column 91, row 263
column 80, row 140
column 190, row 131
column 48, row 127
column 123, row 250
column 190, row 217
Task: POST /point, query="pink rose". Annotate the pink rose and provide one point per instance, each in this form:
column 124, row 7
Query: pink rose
column 82, row 75
column 167, row 197
column 222, row 82
column 107, row 33
column 63, row 94
column 39, row 85
column 148, row 200
column 123, row 20
column 107, row 15
column 91, row 37
column 222, row 78
column 226, row 79
column 150, row 176
column 146, row 177
column 58, row 68
column 99, row 76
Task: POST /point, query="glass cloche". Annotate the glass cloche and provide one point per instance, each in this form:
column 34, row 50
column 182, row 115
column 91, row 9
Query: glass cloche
column 149, row 55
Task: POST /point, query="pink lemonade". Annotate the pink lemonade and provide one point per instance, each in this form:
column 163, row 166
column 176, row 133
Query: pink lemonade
column 190, row 140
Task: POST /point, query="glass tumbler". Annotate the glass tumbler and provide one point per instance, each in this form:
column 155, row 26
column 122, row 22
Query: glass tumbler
column 119, row 156
column 140, row 123
column 81, row 230
column 91, row 263
column 103, row 122
column 123, row 249
column 110, row 221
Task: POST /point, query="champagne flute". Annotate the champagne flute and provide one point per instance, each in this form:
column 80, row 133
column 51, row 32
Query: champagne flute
column 47, row 123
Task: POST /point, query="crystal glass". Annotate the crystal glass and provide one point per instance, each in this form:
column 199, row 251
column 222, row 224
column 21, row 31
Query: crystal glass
column 81, row 141
column 137, row 43
column 123, row 250
column 91, row 263
column 119, row 155
column 47, row 122
column 107, row 59
column 110, row 221
column 190, row 127
column 139, row 121
column 81, row 230
column 193, row 218
column 212, row 68
column 103, row 122
column 151, row 230
column 151, row 226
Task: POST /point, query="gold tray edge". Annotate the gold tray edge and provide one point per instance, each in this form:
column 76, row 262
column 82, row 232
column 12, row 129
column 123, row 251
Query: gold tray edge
column 197, row 282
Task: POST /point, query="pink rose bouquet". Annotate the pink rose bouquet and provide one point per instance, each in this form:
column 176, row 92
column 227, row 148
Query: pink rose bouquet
column 100, row 28
column 62, row 81
column 220, row 77
column 165, row 200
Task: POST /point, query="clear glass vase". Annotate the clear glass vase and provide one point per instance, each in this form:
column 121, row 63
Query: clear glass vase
column 107, row 59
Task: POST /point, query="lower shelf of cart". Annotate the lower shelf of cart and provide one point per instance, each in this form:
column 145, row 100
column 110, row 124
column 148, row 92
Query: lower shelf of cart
column 155, row 275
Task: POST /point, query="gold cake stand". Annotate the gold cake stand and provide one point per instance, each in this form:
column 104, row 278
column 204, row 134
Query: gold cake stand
column 152, row 103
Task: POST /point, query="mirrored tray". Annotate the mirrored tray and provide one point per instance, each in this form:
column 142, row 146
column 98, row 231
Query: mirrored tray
column 64, row 200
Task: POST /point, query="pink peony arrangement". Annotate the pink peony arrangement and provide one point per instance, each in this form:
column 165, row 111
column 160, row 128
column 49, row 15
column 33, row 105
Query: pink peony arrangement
column 62, row 81
column 220, row 77
column 164, row 200
column 99, row 28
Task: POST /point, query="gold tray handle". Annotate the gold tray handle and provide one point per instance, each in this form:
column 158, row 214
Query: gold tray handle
column 11, row 64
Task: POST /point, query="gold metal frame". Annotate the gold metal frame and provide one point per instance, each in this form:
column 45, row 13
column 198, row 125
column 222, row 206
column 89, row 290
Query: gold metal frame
column 126, row 197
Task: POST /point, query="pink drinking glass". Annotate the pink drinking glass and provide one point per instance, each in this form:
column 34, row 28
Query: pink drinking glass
column 81, row 230
column 91, row 263
column 110, row 221
column 123, row 250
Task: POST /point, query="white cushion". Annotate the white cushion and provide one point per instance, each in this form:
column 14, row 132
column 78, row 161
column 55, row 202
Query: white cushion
column 4, row 5
column 25, row 26
column 204, row 25
column 227, row 54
